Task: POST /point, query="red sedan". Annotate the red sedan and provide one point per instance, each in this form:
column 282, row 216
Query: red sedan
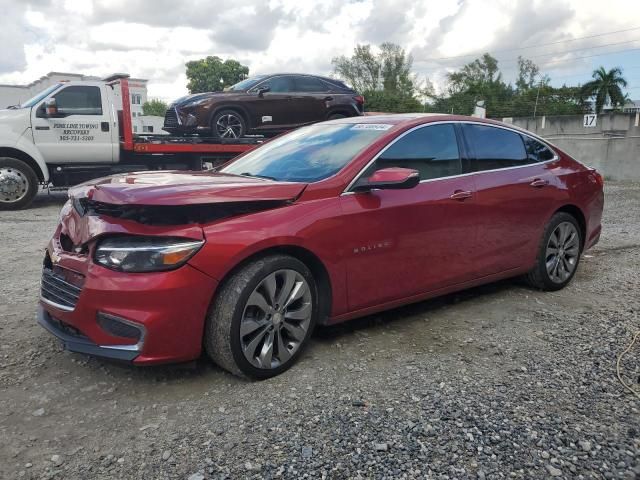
column 327, row 223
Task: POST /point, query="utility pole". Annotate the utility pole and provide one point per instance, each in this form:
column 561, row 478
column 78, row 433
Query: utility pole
column 535, row 108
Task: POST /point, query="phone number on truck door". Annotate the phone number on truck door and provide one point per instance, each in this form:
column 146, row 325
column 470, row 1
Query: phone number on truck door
column 76, row 138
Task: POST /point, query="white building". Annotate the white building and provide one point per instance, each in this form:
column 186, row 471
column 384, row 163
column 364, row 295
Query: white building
column 16, row 94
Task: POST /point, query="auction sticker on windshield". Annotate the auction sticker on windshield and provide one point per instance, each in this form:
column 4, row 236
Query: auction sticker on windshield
column 371, row 126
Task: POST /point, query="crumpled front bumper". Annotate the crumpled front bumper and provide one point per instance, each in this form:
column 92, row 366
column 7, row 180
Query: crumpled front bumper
column 76, row 342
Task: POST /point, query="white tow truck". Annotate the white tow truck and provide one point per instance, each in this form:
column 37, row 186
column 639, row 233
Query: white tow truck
column 76, row 131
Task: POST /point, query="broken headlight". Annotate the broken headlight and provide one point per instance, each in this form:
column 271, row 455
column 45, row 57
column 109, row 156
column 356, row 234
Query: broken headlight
column 145, row 254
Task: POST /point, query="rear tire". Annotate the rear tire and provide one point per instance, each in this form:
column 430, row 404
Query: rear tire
column 262, row 317
column 228, row 124
column 558, row 254
column 18, row 184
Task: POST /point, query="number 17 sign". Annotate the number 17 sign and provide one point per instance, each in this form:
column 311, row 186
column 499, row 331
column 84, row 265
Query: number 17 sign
column 590, row 120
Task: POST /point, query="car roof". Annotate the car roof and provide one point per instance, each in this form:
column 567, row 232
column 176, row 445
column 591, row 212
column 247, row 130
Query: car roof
column 412, row 119
column 335, row 81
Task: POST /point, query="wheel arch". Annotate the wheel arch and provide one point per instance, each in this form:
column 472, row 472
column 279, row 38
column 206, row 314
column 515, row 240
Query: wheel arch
column 576, row 213
column 26, row 158
column 236, row 108
column 310, row 259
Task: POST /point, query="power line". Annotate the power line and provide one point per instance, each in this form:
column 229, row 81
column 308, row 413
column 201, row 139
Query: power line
column 577, row 49
column 535, row 46
column 502, row 62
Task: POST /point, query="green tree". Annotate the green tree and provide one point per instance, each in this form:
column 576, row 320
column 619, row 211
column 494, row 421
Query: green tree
column 154, row 107
column 478, row 75
column 481, row 80
column 606, row 87
column 527, row 74
column 384, row 78
column 211, row 74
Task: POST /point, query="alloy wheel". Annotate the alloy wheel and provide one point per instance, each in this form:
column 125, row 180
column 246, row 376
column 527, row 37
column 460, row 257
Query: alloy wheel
column 563, row 249
column 13, row 185
column 229, row 126
column 276, row 319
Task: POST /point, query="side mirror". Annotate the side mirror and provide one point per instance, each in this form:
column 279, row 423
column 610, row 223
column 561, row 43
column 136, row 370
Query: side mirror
column 262, row 90
column 51, row 107
column 394, row 178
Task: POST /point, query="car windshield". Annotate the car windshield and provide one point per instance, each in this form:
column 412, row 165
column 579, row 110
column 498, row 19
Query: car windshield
column 245, row 84
column 308, row 154
column 32, row 101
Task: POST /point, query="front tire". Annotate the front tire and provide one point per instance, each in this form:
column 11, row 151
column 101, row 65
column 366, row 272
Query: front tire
column 228, row 124
column 558, row 254
column 262, row 317
column 18, row 184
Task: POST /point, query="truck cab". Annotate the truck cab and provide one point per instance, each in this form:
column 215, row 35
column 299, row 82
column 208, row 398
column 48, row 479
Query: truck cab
column 76, row 131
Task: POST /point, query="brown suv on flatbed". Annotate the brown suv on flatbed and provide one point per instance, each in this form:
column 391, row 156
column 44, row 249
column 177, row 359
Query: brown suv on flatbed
column 265, row 104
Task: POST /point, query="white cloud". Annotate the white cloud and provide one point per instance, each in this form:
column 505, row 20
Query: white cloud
column 155, row 38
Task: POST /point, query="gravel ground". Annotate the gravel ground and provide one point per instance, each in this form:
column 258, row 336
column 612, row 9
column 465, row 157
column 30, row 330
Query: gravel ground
column 499, row 381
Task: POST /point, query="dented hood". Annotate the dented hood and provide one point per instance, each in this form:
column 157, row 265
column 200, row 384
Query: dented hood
column 173, row 188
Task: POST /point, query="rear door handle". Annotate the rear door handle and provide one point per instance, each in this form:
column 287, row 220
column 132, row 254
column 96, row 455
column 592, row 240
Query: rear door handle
column 328, row 99
column 539, row 183
column 460, row 195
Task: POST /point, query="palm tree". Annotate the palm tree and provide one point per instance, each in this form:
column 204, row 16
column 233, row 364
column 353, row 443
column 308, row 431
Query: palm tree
column 606, row 87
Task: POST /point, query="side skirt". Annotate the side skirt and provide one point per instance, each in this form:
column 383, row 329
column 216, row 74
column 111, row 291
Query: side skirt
column 425, row 296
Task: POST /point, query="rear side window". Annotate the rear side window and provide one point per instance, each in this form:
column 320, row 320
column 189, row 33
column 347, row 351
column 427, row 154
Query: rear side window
column 537, row 151
column 79, row 100
column 279, row 84
column 333, row 83
column 495, row 147
column 431, row 150
column 309, row 84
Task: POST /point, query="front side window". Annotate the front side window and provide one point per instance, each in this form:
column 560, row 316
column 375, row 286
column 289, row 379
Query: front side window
column 309, row 84
column 79, row 100
column 245, row 84
column 495, row 148
column 431, row 150
column 308, row 154
column 537, row 151
column 278, row 84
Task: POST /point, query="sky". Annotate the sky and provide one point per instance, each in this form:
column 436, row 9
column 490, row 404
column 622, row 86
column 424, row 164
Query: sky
column 153, row 39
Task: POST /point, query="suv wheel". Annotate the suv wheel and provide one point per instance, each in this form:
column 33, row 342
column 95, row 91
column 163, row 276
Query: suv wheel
column 18, row 184
column 228, row 124
column 558, row 254
column 262, row 317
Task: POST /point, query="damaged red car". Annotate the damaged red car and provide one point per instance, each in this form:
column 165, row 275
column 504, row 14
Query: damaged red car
column 326, row 223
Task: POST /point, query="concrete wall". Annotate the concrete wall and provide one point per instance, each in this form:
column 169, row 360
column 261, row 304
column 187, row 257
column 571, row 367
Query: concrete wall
column 612, row 146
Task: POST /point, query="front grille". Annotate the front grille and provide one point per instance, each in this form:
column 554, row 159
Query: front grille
column 171, row 118
column 58, row 290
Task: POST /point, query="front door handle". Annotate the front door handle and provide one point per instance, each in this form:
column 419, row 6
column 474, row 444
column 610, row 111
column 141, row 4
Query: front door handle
column 460, row 195
column 104, row 126
column 539, row 183
column 328, row 99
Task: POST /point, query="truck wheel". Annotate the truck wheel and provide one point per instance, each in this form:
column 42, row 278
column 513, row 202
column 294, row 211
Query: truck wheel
column 262, row 317
column 18, row 184
column 228, row 124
